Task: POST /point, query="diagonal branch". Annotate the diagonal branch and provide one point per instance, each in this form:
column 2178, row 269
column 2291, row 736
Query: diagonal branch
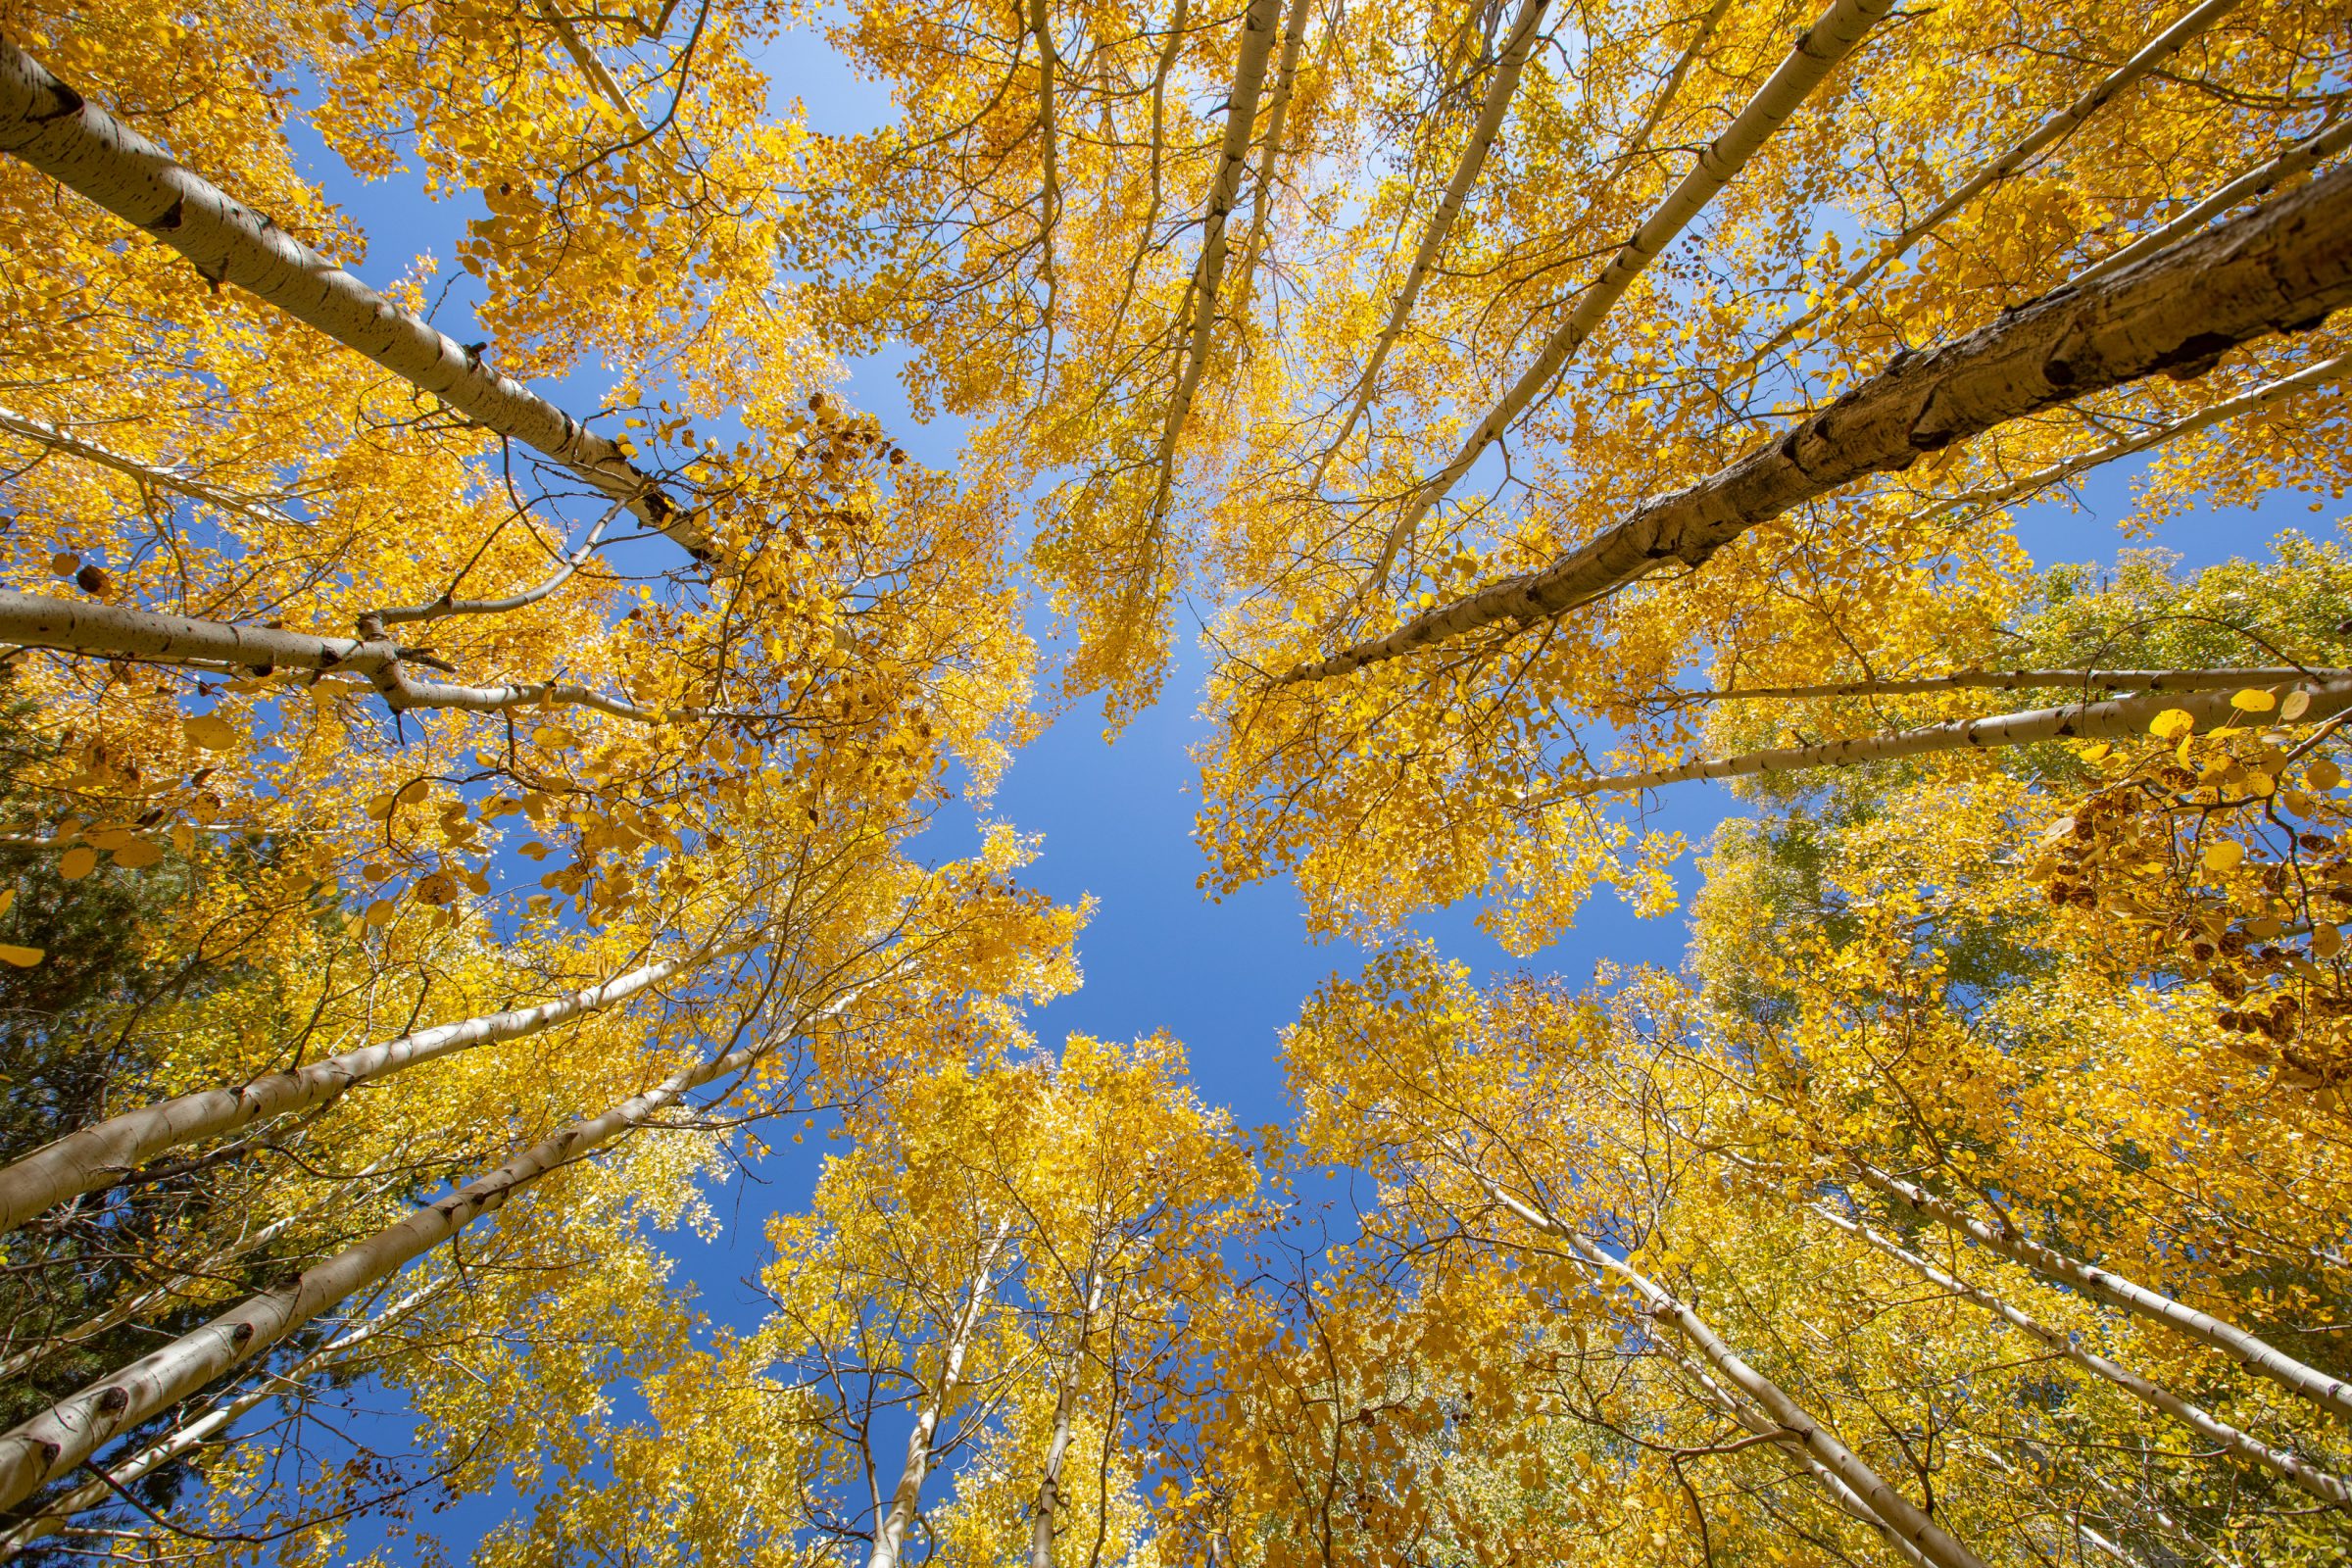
column 1467, row 169
column 1829, row 42
column 2283, row 267
column 49, row 125
column 2059, row 126
column 2117, row 719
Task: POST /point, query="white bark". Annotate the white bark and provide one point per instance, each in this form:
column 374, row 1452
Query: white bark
column 592, row 64
column 72, row 626
column 211, row 1426
column 2056, row 127
column 1519, row 43
column 2322, row 1483
column 1841, row 1494
column 906, row 1498
column 1047, row 1505
column 2117, row 719
column 25, row 428
column 1269, row 155
column 2010, row 680
column 49, row 125
column 49, row 1444
column 1208, row 274
column 2252, row 1353
column 97, row 1156
column 2283, row 267
column 1829, row 42
column 1815, row 1440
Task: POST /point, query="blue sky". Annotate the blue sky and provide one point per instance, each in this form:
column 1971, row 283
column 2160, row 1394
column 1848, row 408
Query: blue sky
column 1117, row 818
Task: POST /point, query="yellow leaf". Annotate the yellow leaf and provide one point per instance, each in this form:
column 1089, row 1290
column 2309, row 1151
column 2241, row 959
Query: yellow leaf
column 2170, row 723
column 412, row 791
column 210, row 731
column 77, row 863
column 22, row 957
column 2224, row 855
column 2254, row 702
column 7, row 899
column 2327, row 940
column 137, row 855
column 2324, row 775
column 379, row 912
column 65, row 564
column 533, row 850
column 2297, row 704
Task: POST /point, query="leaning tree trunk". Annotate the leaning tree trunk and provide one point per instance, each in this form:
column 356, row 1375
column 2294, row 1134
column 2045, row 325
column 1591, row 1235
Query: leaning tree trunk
column 1519, row 43
column 1048, row 1507
column 906, row 1498
column 2256, row 1355
column 2282, row 267
column 49, row 1444
column 50, row 127
column 2322, row 1483
column 1829, row 42
column 2117, row 719
column 1816, row 1440
column 103, row 1154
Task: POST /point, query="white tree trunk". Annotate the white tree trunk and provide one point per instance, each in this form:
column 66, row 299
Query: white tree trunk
column 209, row 1428
column 49, row 125
column 73, row 627
column 906, row 1498
column 1208, row 274
column 2254, row 1353
column 49, row 1444
column 1817, row 1441
column 2298, row 159
column 2116, row 719
column 2322, row 1483
column 1841, row 1494
column 1517, row 46
column 2063, row 124
column 1044, row 1513
column 2010, row 680
column 1826, row 43
column 97, row 1156
column 1269, row 156
column 2283, row 267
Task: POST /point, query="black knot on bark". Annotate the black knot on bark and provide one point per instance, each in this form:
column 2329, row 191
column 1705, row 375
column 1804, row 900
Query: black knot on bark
column 113, row 1401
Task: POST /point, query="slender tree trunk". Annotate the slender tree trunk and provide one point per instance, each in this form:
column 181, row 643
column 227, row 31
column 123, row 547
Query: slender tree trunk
column 209, row 1428
column 49, row 1444
column 2322, row 1483
column 2118, row 719
column 1882, row 1500
column 1839, row 1494
column 52, row 127
column 2256, row 1355
column 2283, row 267
column 1208, row 274
column 1826, row 43
column 1049, row 195
column 1519, row 44
column 591, row 64
column 906, row 1498
column 1269, row 155
column 1044, row 1513
column 72, row 626
column 2057, row 127
column 2010, row 680
column 100, row 1156
column 49, row 435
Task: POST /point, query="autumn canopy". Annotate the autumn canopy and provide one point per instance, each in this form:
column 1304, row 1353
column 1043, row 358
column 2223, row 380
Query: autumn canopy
column 480, row 711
